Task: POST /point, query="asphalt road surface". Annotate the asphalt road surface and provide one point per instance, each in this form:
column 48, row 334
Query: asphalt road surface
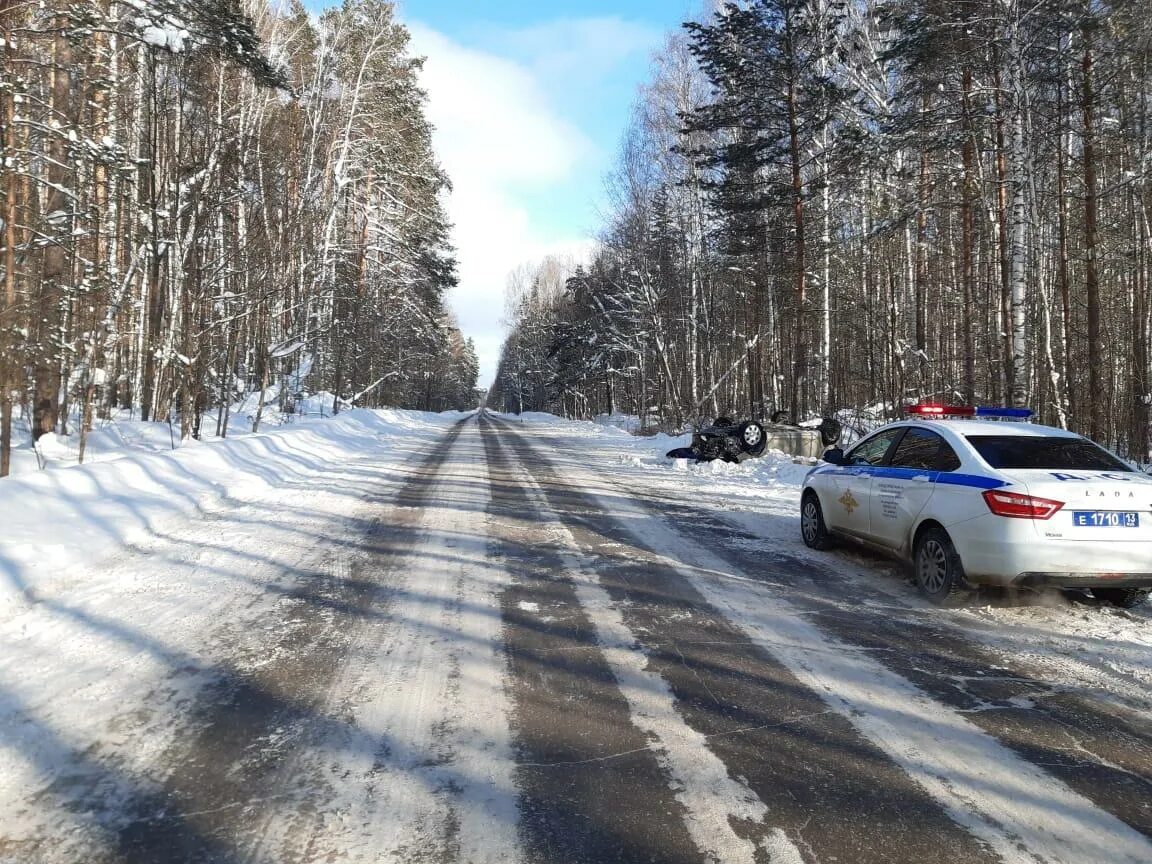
column 511, row 656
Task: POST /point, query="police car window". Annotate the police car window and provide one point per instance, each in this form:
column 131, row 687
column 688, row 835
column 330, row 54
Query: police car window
column 1048, row 453
column 946, row 459
column 924, row 449
column 872, row 451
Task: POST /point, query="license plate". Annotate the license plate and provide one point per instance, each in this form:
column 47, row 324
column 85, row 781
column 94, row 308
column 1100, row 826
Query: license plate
column 1105, row 519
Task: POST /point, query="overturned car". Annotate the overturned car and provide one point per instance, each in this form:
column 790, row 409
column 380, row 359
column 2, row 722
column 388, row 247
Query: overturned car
column 732, row 441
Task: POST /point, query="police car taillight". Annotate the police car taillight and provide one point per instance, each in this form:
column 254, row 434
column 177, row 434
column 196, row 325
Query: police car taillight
column 1018, row 506
column 940, row 411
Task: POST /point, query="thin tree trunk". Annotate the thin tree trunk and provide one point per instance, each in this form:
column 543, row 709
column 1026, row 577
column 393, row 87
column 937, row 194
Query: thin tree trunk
column 1065, row 281
column 1091, row 277
column 47, row 365
column 920, row 271
column 11, row 190
column 968, row 240
column 800, row 275
column 1003, row 377
column 1018, row 391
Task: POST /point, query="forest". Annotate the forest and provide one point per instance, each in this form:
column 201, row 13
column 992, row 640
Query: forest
column 201, row 199
column 823, row 205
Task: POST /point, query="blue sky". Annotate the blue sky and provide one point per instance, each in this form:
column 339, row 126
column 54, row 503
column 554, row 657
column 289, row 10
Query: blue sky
column 530, row 101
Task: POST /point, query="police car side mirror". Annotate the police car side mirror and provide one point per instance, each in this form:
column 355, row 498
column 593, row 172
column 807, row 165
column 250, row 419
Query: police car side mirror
column 833, row 456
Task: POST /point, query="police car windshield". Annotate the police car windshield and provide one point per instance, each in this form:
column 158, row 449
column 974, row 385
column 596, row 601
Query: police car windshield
column 1020, row 451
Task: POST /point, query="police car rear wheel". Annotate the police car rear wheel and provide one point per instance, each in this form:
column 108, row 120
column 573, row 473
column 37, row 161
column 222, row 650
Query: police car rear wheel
column 812, row 527
column 939, row 574
column 1125, row 598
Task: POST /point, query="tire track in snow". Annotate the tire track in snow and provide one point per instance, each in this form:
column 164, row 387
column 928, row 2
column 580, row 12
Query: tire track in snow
column 712, row 801
column 420, row 766
column 1102, row 753
column 827, row 790
column 592, row 788
column 112, row 753
column 1020, row 810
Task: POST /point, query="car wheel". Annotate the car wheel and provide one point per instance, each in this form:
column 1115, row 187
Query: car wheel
column 830, row 431
column 723, row 421
column 752, row 438
column 812, row 528
column 939, row 573
column 1125, row 598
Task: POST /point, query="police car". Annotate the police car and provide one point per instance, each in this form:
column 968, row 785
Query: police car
column 987, row 498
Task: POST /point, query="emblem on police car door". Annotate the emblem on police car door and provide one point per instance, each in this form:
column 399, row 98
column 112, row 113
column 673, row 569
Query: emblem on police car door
column 849, row 501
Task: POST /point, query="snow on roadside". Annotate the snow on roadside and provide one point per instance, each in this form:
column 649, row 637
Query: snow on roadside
column 1089, row 646
column 56, row 522
column 121, row 434
column 99, row 670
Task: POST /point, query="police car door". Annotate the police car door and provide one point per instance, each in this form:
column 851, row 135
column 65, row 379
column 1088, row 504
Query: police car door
column 902, row 487
column 848, row 509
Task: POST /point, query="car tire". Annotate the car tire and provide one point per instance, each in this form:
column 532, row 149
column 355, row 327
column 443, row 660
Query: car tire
column 813, row 531
column 1125, row 598
column 752, row 438
column 830, row 431
column 937, row 569
column 723, row 421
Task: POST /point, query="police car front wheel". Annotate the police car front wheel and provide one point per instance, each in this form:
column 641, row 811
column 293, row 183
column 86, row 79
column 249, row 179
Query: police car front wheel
column 812, row 527
column 939, row 573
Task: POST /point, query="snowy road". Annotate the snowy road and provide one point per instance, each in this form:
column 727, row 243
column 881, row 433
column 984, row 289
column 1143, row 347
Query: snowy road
column 491, row 643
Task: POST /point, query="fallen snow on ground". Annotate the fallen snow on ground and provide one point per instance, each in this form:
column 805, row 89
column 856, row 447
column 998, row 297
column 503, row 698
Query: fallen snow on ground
column 126, row 587
column 1072, row 638
column 122, row 434
column 116, row 578
column 58, row 522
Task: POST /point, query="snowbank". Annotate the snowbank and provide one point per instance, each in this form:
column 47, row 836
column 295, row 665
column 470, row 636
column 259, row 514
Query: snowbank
column 58, row 522
column 121, row 434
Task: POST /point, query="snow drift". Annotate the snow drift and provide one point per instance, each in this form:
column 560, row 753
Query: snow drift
column 57, row 523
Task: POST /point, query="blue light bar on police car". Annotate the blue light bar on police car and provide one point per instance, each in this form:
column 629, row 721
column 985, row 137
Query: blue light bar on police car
column 1004, row 413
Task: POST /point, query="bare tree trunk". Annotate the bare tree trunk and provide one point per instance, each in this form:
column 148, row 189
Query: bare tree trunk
column 1139, row 384
column 826, row 387
column 264, row 376
column 1002, row 378
column 920, row 271
column 46, row 366
column 968, row 240
column 1018, row 390
column 1091, row 277
column 11, row 190
column 149, row 192
column 1070, row 384
column 799, row 347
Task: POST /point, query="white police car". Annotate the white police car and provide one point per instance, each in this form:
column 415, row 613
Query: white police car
column 975, row 501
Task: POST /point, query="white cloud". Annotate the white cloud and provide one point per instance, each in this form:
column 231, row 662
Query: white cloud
column 585, row 49
column 498, row 137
